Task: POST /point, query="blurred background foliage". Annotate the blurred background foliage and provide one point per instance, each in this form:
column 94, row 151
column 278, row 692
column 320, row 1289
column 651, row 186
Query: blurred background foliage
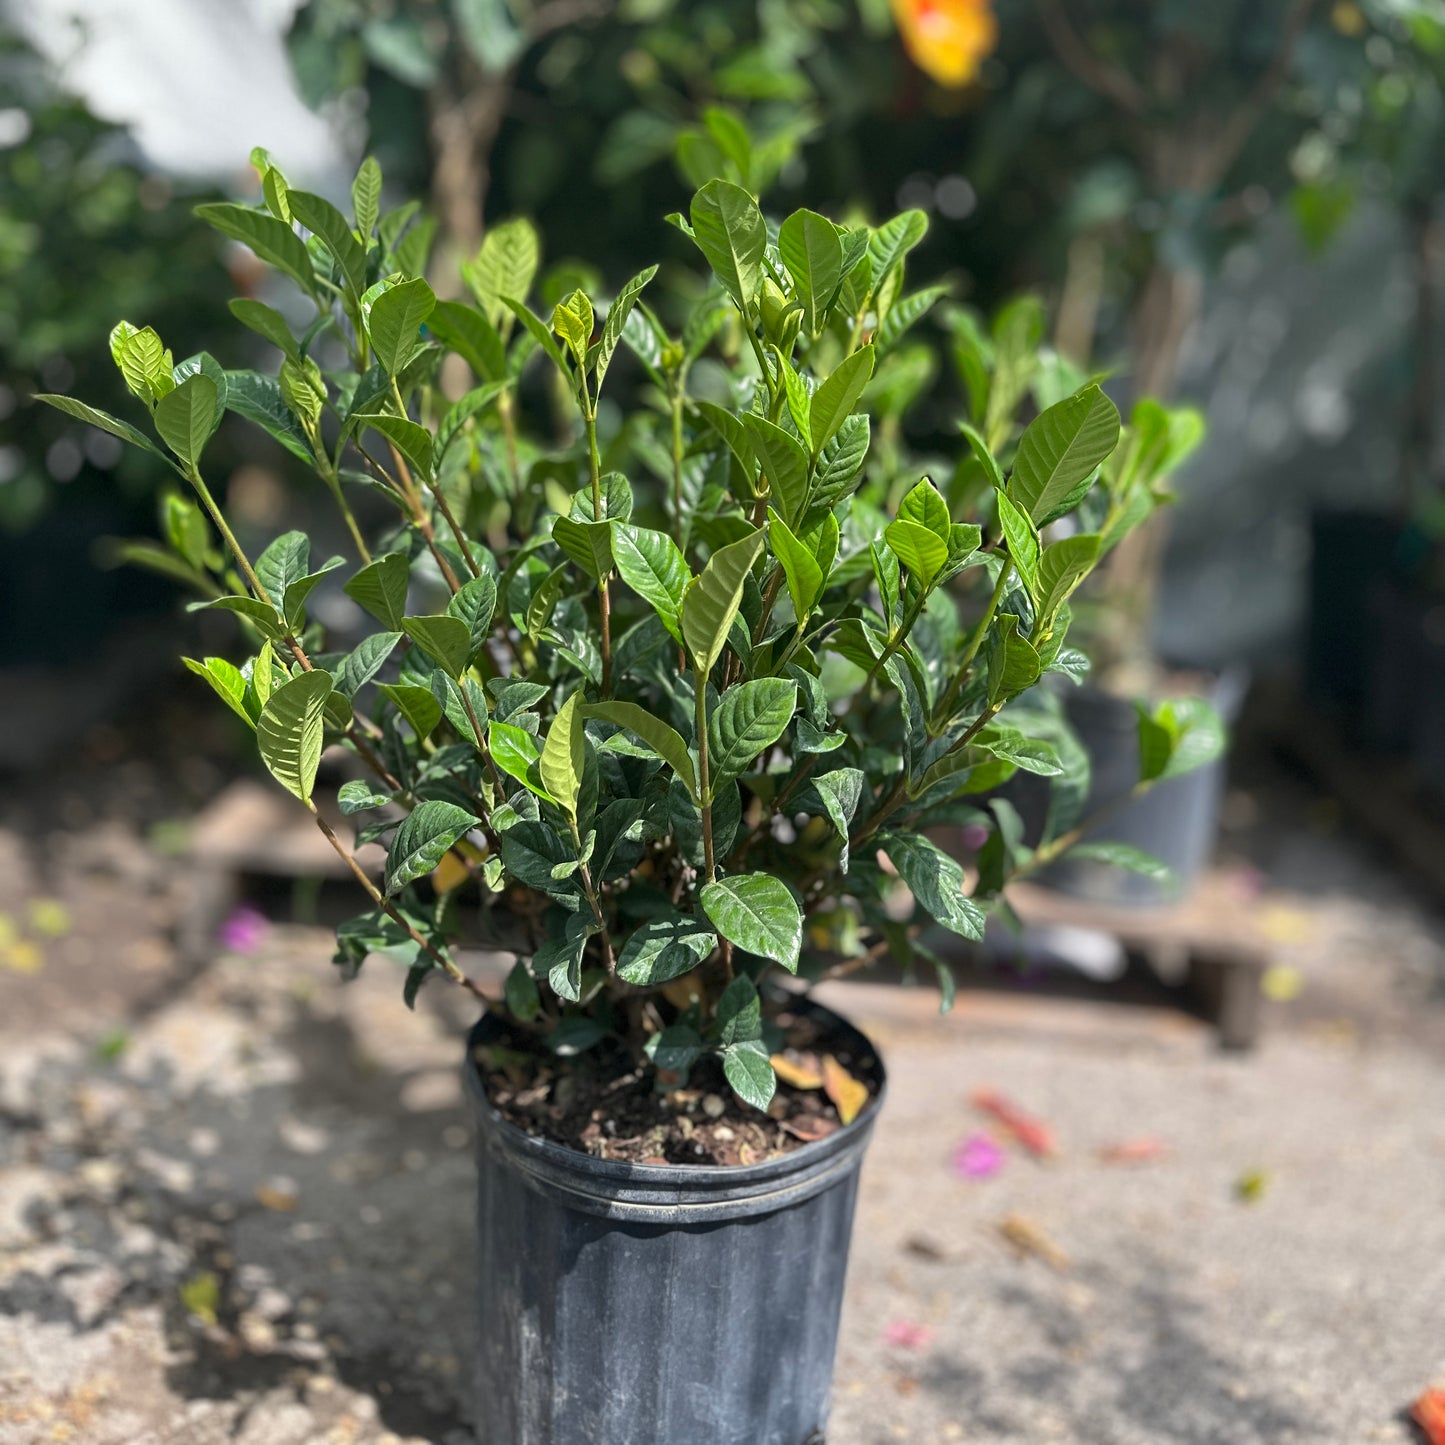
column 1110, row 156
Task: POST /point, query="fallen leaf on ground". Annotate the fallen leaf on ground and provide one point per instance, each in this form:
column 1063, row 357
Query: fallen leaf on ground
column 907, row 1335
column 1428, row 1412
column 1032, row 1134
column 847, row 1094
column 1143, row 1150
column 1282, row 923
column 801, row 1071
column 49, row 917
column 1029, row 1239
column 978, row 1157
column 924, row 1247
column 276, row 1195
column 450, row 873
column 1251, row 1186
column 22, row 956
column 810, row 1127
column 201, row 1295
column 1281, row 983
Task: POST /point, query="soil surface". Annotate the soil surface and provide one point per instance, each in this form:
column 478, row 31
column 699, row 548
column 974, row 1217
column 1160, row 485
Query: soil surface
column 601, row 1105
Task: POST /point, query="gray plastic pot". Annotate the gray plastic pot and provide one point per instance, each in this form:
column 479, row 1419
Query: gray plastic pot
column 628, row 1304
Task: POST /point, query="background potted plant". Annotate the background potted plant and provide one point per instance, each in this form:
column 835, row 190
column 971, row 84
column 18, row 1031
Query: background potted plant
column 650, row 739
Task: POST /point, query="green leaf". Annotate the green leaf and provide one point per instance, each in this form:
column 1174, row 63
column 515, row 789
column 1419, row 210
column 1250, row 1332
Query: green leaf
column 515, row 752
column 272, row 240
column 840, row 792
column 258, row 398
column 674, row 1050
column 474, row 605
column 813, row 254
column 290, row 729
column 539, row 333
column 321, row 218
column 748, row 718
column 1123, row 855
column 739, row 1012
column 423, row 838
column 293, row 599
column 800, row 567
column 283, row 562
column 665, row 948
column 358, row 796
column 472, row 336
column 935, row 880
column 651, row 564
column 561, row 960
column 924, row 505
column 447, row 640
column 504, row 267
column 892, row 241
column 564, row 756
column 1177, row 736
column 523, row 1000
column 226, row 681
column 573, row 320
column 184, row 417
column 918, row 549
column 411, row 439
column 785, row 465
column 1022, row 538
column 415, row 703
column 904, row 313
column 1033, row 755
column 462, row 411
column 104, row 421
column 266, row 618
column 1062, row 566
column 1060, row 449
column 731, row 233
column 366, row 197
column 265, row 321
column 395, row 322
column 835, row 400
column 143, row 360
column 588, row 544
column 759, row 914
column 616, row 319
column 712, row 600
column 665, row 741
column 986, row 458
column 381, row 589
column 1013, row 662
column 750, row 1072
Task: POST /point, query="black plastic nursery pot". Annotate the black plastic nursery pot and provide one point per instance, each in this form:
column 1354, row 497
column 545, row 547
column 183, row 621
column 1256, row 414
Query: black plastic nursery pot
column 628, row 1304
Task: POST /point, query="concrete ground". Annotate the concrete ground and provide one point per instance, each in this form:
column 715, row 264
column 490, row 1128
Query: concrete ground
column 235, row 1204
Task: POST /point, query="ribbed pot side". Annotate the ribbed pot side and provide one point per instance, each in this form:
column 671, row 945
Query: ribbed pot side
column 631, row 1304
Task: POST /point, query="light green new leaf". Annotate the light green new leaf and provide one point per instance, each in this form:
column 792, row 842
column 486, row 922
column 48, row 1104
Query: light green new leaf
column 665, row 948
column 588, row 544
column 184, row 418
column 564, row 756
column 800, row 567
column 381, row 588
column 665, row 741
column 651, row 564
column 712, row 600
column 423, row 839
column 731, row 233
column 785, row 465
column 617, row 319
column 918, row 549
column 1022, row 538
column 515, row 752
column 835, row 399
column 469, row 333
column 1060, row 449
column 1123, row 855
column 504, row 266
column 759, row 914
column 142, row 359
column 447, row 640
column 892, row 241
column 290, row 729
column 924, row 505
column 395, row 321
column 366, row 197
column 986, row 458
column 748, row 718
column 226, row 681
column 410, row 438
column 272, row 240
column 1062, row 566
column 813, row 254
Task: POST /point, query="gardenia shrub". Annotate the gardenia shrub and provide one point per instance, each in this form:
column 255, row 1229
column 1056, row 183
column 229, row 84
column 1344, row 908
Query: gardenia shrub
column 672, row 726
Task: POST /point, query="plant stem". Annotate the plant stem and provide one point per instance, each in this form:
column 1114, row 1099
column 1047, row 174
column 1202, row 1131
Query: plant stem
column 391, row 911
column 945, row 706
column 434, row 488
column 704, row 781
column 677, row 461
column 1046, row 853
column 604, row 600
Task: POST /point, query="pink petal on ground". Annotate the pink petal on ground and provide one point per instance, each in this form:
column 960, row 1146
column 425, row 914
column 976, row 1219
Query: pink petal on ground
column 906, row 1335
column 243, row 931
column 978, row 1157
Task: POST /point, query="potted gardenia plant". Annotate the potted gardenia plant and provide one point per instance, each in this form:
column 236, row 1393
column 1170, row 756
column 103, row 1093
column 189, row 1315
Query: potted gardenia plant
column 653, row 739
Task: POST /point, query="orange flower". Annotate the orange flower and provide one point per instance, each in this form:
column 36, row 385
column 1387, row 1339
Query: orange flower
column 947, row 38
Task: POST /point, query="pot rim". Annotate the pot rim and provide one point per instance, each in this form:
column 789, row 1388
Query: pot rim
column 678, row 1193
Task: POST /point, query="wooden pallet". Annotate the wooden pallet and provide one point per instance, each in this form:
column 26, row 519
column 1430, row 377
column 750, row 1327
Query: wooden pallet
column 1210, row 944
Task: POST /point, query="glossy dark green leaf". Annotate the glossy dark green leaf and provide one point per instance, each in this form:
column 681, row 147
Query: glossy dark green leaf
column 712, row 600
column 759, row 914
column 1060, row 449
column 665, row 948
column 813, row 254
column 750, row 1073
column 395, row 321
column 423, row 838
column 935, row 880
column 731, row 233
column 445, row 639
column 381, row 588
column 473, row 337
column 748, row 718
column 322, row 219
